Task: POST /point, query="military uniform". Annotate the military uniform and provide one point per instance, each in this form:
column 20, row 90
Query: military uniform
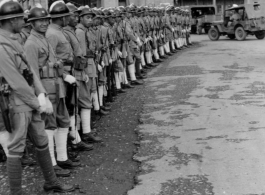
column 25, row 116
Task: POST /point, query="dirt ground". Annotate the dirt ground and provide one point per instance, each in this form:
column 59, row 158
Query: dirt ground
column 107, row 170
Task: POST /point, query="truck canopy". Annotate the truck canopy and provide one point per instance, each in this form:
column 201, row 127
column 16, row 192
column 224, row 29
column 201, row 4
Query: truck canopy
column 255, row 10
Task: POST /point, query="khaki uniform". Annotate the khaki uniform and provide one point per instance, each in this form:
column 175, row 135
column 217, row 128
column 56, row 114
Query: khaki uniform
column 42, row 59
column 84, row 90
column 25, row 117
column 88, row 43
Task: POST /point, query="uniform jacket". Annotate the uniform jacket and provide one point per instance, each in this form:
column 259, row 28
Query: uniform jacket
column 23, row 97
column 41, row 57
column 88, row 44
column 56, row 37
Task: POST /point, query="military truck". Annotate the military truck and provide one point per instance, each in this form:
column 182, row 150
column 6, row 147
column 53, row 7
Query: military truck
column 250, row 22
column 202, row 17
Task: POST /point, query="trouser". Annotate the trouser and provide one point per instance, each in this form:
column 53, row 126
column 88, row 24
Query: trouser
column 57, row 127
column 137, row 55
column 27, row 124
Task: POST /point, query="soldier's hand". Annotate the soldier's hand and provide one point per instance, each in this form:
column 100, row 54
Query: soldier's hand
column 110, row 61
column 119, row 53
column 86, row 79
column 42, row 102
column 99, row 68
column 70, row 79
column 49, row 109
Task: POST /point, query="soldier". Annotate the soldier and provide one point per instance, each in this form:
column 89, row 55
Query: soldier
column 179, row 18
column 88, row 42
column 79, row 71
column 87, row 35
column 26, row 107
column 55, row 35
column 116, row 68
column 122, row 46
column 129, row 43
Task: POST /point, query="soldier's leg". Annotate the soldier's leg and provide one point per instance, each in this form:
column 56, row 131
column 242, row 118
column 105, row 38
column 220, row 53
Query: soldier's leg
column 16, row 146
column 63, row 123
column 37, row 135
column 4, row 138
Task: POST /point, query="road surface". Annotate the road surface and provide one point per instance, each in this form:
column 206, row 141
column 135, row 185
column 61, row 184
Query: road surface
column 203, row 122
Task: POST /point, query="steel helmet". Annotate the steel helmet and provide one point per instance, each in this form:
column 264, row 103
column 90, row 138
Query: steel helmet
column 37, row 13
column 10, row 9
column 59, row 9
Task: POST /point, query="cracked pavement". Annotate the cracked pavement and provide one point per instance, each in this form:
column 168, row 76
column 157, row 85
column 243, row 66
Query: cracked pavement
column 203, row 127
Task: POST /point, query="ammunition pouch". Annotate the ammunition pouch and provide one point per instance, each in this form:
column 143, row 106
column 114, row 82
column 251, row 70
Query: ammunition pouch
column 47, row 71
column 80, row 63
column 28, row 75
column 104, row 49
column 90, row 54
column 68, row 65
column 59, row 69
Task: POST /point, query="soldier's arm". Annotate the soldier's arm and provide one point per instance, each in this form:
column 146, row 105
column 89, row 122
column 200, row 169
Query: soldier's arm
column 53, row 40
column 32, row 54
column 15, row 79
column 81, row 36
column 32, row 58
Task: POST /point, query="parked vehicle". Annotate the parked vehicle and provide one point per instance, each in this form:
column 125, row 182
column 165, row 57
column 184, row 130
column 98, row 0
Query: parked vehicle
column 250, row 22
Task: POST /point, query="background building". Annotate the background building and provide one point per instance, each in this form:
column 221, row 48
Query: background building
column 115, row 3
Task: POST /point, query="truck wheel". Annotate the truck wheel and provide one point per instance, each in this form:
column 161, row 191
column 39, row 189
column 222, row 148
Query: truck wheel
column 214, row 34
column 231, row 37
column 240, row 33
column 260, row 34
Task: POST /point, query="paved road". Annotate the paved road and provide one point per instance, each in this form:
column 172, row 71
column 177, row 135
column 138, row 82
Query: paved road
column 203, row 123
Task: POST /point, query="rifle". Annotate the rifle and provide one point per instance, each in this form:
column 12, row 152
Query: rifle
column 4, row 106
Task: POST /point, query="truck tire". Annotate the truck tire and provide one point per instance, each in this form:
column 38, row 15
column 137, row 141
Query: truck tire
column 214, row 34
column 240, row 33
column 260, row 34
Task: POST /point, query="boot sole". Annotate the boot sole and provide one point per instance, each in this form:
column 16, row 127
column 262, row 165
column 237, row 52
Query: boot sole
column 59, row 191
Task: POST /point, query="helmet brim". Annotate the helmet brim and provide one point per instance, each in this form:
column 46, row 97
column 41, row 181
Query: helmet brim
column 46, row 17
column 60, row 15
column 11, row 16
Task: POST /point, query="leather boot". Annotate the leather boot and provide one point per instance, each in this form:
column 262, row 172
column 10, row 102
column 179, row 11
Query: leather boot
column 58, row 187
column 90, row 138
column 81, row 146
column 61, row 172
column 68, row 164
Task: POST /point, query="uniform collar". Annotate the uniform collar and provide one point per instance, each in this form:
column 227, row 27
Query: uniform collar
column 69, row 28
column 55, row 26
column 106, row 24
column 81, row 26
column 37, row 34
column 7, row 34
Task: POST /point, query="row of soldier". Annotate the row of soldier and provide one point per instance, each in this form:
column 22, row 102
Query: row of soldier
column 60, row 65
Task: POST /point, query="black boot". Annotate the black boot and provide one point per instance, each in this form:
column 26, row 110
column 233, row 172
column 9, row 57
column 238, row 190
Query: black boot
column 90, row 138
column 51, row 181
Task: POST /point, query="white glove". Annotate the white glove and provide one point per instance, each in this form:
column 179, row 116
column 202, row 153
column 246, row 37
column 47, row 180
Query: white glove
column 42, row 102
column 87, row 79
column 49, row 109
column 99, row 68
column 119, row 53
column 69, row 79
column 138, row 41
column 110, row 61
column 172, row 29
column 102, row 64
